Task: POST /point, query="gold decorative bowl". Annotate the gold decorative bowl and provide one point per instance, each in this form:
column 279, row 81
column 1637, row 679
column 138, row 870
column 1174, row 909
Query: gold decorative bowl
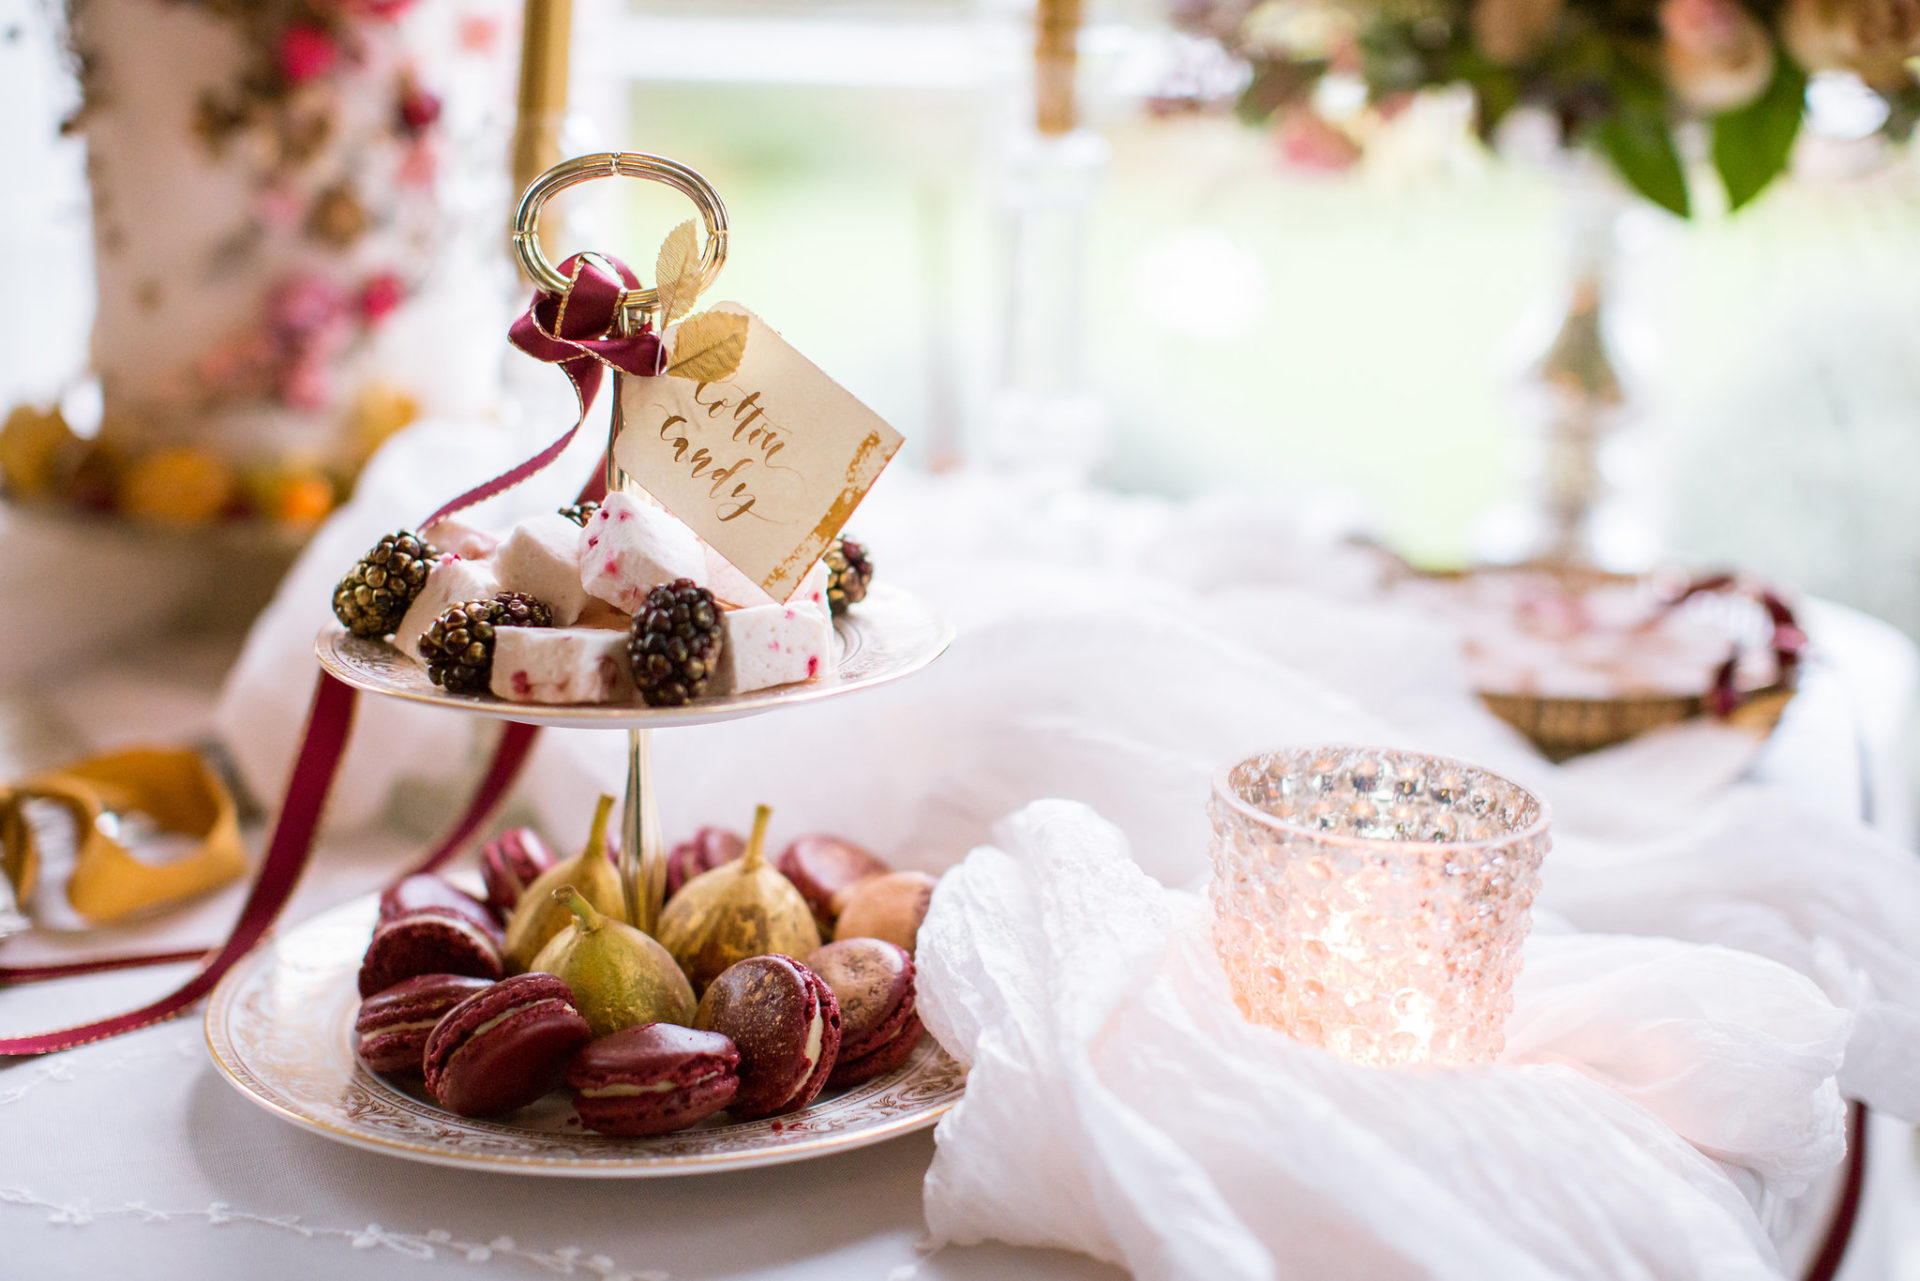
column 1564, row 726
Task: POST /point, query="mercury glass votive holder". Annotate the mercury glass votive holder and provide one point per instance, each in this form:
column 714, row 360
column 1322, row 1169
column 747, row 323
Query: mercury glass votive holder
column 1373, row 902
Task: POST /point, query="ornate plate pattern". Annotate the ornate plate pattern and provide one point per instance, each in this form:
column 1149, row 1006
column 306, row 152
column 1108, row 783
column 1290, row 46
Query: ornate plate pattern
column 280, row 1026
column 892, row 633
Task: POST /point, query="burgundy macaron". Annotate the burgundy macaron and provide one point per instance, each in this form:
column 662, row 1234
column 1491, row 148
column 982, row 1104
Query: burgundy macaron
column 823, row 867
column 508, row 864
column 709, row 848
column 505, row 1046
column 428, row 943
column 785, row 1022
column 425, row 892
column 873, row 981
column 394, row 1024
column 653, row 1079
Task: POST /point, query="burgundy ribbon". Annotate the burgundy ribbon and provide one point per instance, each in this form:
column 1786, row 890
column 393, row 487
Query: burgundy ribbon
column 1788, row 641
column 1833, row 1246
column 579, row 331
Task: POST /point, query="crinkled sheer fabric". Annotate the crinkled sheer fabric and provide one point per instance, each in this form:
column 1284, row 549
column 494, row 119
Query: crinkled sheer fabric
column 1118, row 1104
column 1117, row 652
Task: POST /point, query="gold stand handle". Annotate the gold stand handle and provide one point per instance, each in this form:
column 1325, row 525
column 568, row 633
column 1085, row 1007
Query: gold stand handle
column 617, row 164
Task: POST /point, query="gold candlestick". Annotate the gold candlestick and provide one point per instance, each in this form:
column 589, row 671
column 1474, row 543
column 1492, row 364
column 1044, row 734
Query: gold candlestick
column 545, row 41
column 1056, row 35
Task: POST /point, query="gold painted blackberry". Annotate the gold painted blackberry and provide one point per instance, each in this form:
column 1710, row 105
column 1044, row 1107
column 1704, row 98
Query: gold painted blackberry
column 849, row 571
column 459, row 646
column 675, row 643
column 373, row 597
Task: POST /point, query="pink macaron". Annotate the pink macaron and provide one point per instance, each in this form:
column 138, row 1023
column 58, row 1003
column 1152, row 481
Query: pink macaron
column 784, row 1021
column 505, row 1046
column 709, row 848
column 823, row 868
column 428, row 942
column 874, row 982
column 653, row 1079
column 425, row 892
column 394, row 1025
column 508, row 864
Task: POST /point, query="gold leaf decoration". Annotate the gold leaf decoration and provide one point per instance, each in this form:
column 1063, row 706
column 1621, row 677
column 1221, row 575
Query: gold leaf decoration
column 708, row 347
column 676, row 273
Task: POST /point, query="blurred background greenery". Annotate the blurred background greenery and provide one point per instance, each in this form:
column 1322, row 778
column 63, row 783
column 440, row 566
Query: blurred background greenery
column 1259, row 327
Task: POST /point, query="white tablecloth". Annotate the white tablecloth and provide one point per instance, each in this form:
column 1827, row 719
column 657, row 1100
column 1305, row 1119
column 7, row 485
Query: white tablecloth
column 135, row 1155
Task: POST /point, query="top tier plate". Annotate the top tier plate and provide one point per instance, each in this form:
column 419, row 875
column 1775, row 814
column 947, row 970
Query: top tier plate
column 890, row 634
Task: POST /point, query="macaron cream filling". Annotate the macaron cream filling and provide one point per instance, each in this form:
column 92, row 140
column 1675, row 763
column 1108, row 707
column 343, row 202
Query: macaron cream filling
column 627, row 1089
column 500, row 1018
column 816, row 1038
column 402, row 1027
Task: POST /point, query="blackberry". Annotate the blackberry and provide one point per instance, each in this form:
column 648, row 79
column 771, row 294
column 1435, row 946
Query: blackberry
column 373, row 597
column 459, row 646
column 675, row 643
column 849, row 571
column 580, row 513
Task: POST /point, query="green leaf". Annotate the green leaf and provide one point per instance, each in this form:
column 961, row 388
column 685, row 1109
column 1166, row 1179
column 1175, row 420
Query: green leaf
column 1751, row 145
column 1635, row 138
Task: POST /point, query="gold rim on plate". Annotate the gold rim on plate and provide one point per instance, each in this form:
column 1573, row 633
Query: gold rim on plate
column 280, row 1029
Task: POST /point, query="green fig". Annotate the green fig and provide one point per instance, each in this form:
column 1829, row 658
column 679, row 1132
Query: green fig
column 620, row 977
column 539, row 916
column 739, row 909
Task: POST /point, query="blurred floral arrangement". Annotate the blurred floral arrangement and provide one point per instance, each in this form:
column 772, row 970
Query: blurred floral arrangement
column 1621, row 78
column 317, row 113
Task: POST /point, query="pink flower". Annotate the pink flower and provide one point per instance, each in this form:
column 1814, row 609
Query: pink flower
column 418, row 108
column 1718, row 57
column 307, row 52
column 419, row 165
column 279, row 206
column 1310, row 143
column 384, row 10
column 381, row 295
column 1511, row 32
column 1872, row 38
column 304, row 305
column 307, row 384
column 479, row 32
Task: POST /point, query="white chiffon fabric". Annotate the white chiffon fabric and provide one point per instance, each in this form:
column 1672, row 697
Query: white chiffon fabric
column 1118, row 1104
column 1674, row 1075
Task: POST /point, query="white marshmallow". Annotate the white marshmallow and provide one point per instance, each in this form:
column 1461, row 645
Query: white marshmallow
column 561, row 665
column 813, row 589
column 450, row 582
column 541, row 557
column 731, row 587
column 768, row 645
column 630, row 547
column 464, row 541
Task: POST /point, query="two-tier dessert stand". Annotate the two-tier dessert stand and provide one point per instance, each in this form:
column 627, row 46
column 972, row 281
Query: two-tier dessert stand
column 280, row 1024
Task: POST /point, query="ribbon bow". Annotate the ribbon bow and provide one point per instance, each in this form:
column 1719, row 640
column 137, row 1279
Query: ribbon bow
column 578, row 330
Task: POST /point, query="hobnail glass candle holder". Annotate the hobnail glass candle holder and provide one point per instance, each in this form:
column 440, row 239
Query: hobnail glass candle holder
column 1373, row 902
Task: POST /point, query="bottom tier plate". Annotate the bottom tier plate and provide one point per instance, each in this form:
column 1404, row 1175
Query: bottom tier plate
column 280, row 1026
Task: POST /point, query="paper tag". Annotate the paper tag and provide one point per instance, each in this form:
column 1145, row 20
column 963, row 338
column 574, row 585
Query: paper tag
column 766, row 464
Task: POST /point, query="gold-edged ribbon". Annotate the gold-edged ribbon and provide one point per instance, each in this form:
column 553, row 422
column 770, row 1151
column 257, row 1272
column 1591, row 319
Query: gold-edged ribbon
column 175, row 790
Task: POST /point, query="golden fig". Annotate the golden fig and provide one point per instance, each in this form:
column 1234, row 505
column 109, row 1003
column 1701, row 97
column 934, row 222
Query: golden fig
column 739, row 909
column 620, row 977
column 539, row 917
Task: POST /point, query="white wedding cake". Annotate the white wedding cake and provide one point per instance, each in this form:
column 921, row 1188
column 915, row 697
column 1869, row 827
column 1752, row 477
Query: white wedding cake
column 299, row 218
